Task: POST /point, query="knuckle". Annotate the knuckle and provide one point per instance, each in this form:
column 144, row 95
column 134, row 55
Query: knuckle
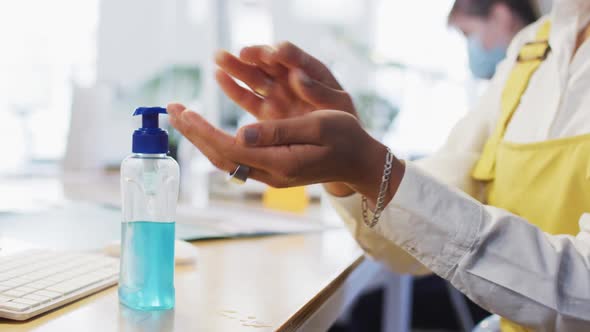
column 322, row 128
column 349, row 104
column 175, row 123
column 278, row 135
column 286, row 47
column 347, row 99
column 218, row 163
column 274, row 92
column 289, row 173
column 290, row 51
column 245, row 51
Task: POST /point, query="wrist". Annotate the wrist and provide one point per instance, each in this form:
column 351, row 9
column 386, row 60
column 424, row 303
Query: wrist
column 372, row 165
column 338, row 189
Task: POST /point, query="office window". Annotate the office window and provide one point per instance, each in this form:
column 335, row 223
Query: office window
column 46, row 46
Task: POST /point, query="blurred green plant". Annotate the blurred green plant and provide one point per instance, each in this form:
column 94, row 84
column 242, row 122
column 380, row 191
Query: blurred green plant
column 176, row 82
column 376, row 112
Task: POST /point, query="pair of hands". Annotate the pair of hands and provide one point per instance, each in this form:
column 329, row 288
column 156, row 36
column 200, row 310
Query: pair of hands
column 300, row 139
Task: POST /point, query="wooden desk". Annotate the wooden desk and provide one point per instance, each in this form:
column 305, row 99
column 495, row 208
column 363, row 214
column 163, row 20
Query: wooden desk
column 294, row 282
column 264, row 284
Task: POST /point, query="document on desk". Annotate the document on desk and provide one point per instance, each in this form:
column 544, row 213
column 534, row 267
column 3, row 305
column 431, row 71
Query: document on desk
column 87, row 226
column 239, row 221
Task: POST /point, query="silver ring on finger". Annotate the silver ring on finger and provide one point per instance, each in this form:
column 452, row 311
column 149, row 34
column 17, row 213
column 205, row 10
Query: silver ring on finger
column 239, row 175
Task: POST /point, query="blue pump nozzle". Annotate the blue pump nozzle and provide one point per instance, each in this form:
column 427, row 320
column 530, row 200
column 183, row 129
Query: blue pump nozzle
column 150, row 138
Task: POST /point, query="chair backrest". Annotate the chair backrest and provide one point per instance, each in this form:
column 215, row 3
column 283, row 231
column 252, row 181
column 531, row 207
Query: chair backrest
column 461, row 308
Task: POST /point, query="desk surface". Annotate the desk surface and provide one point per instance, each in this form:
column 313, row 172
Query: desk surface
column 262, row 284
column 258, row 284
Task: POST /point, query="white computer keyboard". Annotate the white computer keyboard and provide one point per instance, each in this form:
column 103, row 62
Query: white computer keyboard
column 35, row 281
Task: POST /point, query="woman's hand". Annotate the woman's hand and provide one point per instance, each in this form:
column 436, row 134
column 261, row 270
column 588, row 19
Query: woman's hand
column 287, row 82
column 298, row 151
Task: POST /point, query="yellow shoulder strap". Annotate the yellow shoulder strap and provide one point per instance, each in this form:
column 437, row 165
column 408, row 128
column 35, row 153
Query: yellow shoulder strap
column 529, row 59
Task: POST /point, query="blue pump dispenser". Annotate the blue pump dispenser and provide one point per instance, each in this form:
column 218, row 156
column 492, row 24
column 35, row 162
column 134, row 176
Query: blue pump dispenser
column 150, row 138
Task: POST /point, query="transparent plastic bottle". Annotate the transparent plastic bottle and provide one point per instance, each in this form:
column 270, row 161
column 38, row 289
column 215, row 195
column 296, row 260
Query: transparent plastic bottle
column 149, row 190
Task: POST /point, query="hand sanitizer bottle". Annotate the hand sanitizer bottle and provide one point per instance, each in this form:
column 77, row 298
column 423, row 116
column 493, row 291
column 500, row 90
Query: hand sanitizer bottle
column 149, row 190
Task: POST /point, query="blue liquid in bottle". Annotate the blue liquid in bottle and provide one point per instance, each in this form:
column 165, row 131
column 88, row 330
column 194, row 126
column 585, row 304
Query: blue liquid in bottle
column 147, row 265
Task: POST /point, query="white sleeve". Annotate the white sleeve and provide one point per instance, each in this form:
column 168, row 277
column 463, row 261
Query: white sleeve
column 499, row 260
column 374, row 244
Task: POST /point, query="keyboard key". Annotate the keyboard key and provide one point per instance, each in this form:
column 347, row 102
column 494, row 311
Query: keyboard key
column 106, row 273
column 14, row 306
column 25, row 289
column 50, row 294
column 15, row 282
column 40, row 284
column 71, row 286
column 14, row 293
column 8, row 267
column 38, row 274
column 58, row 277
column 5, row 299
column 98, row 276
column 36, row 297
column 30, row 282
column 27, row 301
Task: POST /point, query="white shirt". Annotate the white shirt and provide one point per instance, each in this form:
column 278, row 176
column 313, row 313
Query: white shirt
column 433, row 224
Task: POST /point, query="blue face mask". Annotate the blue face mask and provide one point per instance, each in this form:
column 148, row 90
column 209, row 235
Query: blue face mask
column 483, row 62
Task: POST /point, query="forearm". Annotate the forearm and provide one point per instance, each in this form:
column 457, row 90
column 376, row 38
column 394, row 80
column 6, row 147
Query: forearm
column 374, row 244
column 501, row 261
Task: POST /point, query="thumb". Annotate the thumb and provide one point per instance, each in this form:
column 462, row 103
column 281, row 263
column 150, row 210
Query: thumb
column 317, row 93
column 298, row 130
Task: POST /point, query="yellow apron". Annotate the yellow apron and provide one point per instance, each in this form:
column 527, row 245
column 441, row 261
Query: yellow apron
column 545, row 182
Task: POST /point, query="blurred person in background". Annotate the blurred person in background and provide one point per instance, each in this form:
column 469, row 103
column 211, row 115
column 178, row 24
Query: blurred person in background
column 489, row 26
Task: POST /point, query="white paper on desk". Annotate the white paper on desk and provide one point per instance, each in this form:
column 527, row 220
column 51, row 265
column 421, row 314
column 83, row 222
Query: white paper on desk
column 87, row 226
column 235, row 221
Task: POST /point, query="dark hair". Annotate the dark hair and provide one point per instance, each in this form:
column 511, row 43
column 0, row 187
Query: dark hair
column 482, row 8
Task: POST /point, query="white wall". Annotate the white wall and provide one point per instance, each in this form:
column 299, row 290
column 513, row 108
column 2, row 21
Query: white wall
column 138, row 37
